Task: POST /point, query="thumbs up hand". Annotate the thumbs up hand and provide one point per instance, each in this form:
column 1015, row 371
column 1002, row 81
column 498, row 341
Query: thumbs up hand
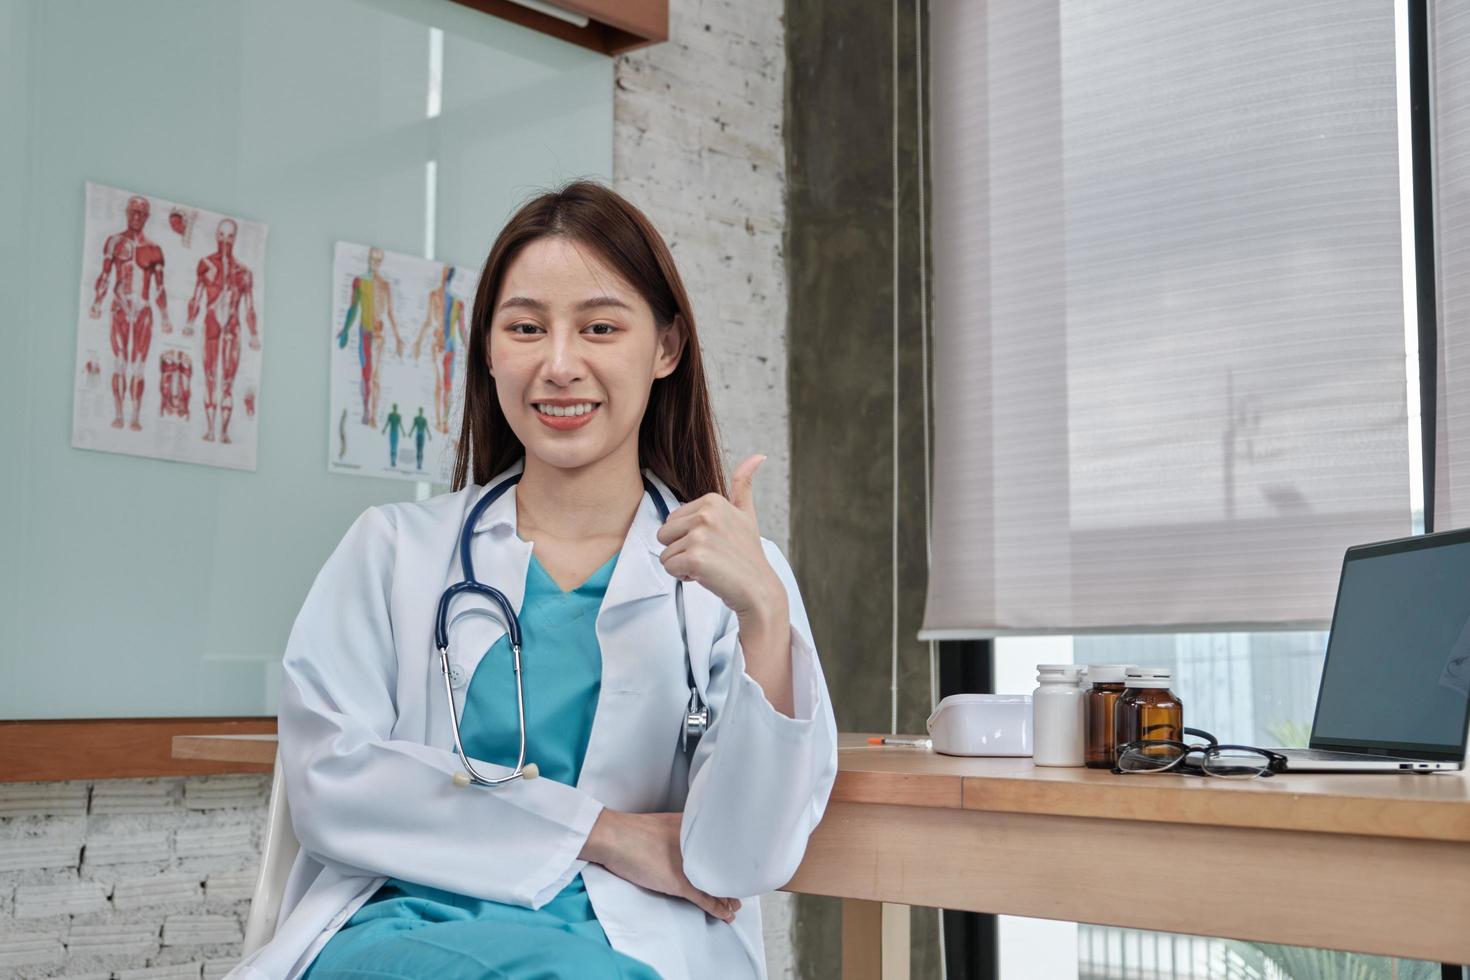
column 717, row 543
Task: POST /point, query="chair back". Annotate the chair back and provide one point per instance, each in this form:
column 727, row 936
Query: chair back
column 276, row 858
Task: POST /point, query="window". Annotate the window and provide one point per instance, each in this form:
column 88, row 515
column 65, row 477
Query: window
column 1176, row 306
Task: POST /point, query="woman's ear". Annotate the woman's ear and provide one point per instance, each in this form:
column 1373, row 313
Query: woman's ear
column 671, row 346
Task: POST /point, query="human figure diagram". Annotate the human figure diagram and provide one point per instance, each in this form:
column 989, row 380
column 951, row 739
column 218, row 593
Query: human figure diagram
column 372, row 298
column 445, row 315
column 394, row 428
column 175, row 369
column 133, row 263
column 221, row 284
column 420, row 432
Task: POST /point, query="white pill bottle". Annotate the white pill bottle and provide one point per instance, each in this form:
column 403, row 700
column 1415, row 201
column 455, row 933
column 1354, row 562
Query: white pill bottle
column 1059, row 723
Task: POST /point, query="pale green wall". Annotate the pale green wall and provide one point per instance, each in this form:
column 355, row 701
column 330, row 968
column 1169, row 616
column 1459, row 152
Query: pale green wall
column 137, row 587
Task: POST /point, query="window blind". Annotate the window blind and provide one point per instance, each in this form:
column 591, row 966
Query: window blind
column 1169, row 322
column 1449, row 42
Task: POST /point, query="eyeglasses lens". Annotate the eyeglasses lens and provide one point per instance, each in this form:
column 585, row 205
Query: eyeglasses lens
column 1236, row 763
column 1149, row 758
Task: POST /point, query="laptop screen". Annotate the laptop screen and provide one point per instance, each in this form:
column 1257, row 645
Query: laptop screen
column 1397, row 673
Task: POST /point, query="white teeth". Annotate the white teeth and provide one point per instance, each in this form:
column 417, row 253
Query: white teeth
column 580, row 409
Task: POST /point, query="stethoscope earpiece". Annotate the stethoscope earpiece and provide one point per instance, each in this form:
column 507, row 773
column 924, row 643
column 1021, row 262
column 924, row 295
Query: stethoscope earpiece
column 529, row 771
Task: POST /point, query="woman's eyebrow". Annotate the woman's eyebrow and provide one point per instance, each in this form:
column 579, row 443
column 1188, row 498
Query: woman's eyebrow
column 586, row 304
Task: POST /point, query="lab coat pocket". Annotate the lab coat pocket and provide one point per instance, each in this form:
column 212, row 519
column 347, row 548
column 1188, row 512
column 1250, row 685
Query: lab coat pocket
column 473, row 630
column 473, row 633
column 632, row 749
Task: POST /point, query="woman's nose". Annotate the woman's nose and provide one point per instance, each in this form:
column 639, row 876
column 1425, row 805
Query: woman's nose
column 563, row 360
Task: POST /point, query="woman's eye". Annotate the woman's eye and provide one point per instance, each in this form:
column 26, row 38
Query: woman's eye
column 516, row 328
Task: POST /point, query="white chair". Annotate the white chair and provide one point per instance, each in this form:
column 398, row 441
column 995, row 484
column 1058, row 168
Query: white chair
column 276, row 857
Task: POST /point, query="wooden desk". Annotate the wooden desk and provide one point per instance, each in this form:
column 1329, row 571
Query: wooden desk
column 1369, row 863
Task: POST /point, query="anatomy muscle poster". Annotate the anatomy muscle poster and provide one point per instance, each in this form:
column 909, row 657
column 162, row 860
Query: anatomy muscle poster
column 399, row 333
column 169, row 332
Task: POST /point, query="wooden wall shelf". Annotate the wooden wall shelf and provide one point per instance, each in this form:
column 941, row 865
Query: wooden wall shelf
column 115, row 748
column 614, row 26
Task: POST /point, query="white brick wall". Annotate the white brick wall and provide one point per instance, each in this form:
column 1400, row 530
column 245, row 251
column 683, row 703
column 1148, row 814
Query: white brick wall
column 697, row 144
column 151, row 879
column 127, row 878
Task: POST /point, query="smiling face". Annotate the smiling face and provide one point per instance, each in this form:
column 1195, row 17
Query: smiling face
column 567, row 329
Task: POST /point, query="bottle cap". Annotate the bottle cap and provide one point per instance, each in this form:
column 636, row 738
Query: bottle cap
column 1063, row 673
column 1107, row 673
column 1148, row 677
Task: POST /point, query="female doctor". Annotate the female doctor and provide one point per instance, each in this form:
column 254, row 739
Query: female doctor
column 630, row 855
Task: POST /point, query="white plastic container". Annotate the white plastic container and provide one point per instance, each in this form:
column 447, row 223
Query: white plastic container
column 1060, row 708
column 982, row 724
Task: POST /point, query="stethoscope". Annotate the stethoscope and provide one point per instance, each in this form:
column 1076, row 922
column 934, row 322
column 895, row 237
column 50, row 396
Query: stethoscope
column 696, row 719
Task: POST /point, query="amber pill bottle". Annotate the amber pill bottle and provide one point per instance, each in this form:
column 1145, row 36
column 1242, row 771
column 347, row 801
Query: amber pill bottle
column 1147, row 708
column 1102, row 700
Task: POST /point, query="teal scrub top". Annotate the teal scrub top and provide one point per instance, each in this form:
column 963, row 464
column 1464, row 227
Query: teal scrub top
column 412, row 930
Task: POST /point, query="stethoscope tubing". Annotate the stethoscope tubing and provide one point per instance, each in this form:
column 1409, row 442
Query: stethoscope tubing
column 513, row 631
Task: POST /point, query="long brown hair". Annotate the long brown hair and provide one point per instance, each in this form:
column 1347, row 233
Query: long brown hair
column 677, row 439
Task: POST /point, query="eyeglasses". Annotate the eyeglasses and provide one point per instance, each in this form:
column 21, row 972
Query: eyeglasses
column 1148, row 755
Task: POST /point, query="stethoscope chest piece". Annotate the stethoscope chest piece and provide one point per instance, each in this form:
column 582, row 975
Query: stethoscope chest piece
column 696, row 720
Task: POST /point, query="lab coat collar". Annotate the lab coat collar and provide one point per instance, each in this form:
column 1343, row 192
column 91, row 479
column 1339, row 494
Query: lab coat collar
column 640, row 578
column 501, row 515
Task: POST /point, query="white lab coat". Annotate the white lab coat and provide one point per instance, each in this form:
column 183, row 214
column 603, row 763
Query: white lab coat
column 367, row 750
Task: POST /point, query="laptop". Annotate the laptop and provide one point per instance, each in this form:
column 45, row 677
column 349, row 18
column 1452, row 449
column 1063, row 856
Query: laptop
column 1395, row 693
